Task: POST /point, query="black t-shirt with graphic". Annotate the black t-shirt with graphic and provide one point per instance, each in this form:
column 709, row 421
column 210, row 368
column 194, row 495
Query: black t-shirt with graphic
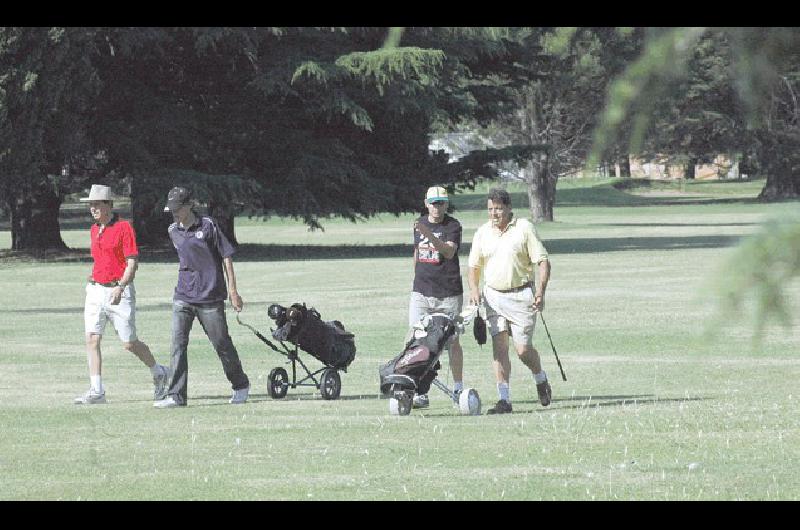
column 433, row 274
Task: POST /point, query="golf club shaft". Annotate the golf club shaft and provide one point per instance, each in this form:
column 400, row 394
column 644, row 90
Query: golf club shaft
column 563, row 375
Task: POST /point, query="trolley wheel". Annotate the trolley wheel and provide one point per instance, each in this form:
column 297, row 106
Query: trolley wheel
column 469, row 402
column 278, row 383
column 400, row 404
column 330, row 384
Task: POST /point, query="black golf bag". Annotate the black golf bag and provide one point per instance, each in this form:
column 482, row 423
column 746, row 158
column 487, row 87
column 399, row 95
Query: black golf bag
column 420, row 358
column 326, row 341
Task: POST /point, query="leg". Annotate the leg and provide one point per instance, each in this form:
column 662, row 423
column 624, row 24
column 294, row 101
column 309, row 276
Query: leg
column 529, row 357
column 93, row 355
column 96, row 394
column 94, row 322
column 456, row 355
column 502, row 364
column 452, row 306
column 212, row 318
column 140, row 350
column 417, row 308
column 502, row 372
column 182, row 319
column 95, row 318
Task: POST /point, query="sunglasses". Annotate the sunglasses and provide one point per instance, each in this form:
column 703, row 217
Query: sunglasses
column 438, row 203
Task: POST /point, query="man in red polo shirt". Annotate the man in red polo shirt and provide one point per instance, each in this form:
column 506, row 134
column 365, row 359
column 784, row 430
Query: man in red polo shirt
column 110, row 294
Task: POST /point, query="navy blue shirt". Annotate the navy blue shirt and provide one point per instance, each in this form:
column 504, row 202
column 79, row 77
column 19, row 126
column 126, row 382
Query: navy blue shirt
column 201, row 249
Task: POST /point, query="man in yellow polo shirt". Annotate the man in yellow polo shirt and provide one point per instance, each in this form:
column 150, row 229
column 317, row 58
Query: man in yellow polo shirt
column 505, row 250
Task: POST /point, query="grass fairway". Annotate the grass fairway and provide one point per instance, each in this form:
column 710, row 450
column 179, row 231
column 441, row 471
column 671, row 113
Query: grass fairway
column 652, row 409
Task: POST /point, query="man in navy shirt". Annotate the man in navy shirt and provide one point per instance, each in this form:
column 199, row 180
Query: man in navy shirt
column 203, row 252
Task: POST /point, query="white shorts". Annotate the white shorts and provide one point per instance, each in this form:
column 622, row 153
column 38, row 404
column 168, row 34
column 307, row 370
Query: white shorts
column 98, row 310
column 511, row 311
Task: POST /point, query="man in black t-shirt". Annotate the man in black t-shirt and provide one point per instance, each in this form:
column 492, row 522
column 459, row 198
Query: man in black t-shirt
column 437, row 275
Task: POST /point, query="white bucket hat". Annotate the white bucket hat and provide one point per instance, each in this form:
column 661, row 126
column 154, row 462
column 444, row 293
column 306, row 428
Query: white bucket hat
column 98, row 193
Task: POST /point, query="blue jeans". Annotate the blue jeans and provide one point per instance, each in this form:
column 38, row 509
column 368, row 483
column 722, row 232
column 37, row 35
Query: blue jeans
column 212, row 318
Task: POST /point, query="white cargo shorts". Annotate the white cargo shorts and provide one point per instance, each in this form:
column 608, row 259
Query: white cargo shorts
column 511, row 311
column 98, row 311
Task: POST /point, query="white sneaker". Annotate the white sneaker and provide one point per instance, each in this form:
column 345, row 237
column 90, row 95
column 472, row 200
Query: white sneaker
column 240, row 396
column 421, row 401
column 167, row 403
column 90, row 397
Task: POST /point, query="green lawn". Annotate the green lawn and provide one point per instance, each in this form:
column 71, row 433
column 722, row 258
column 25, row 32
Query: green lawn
column 653, row 408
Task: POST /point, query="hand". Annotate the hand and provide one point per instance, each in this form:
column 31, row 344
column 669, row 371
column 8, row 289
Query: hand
column 538, row 302
column 474, row 298
column 423, row 229
column 236, row 301
column 116, row 295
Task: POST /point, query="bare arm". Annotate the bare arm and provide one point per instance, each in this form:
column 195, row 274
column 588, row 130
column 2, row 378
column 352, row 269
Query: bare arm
column 474, row 279
column 236, row 300
column 541, row 286
column 131, row 264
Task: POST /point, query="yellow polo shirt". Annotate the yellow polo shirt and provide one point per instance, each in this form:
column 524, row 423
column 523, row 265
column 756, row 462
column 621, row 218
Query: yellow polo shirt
column 507, row 257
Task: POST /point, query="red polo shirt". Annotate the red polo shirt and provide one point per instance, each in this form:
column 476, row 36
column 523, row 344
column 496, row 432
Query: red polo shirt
column 111, row 248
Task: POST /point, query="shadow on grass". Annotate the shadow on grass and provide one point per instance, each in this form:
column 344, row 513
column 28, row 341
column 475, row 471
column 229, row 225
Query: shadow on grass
column 677, row 225
column 251, row 252
column 255, row 252
column 608, row 401
column 300, row 396
column 603, row 195
column 596, row 401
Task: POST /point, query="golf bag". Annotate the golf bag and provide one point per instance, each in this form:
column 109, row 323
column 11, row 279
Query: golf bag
column 326, row 341
column 420, row 358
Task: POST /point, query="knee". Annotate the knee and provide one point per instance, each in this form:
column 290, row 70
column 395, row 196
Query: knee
column 130, row 346
column 93, row 340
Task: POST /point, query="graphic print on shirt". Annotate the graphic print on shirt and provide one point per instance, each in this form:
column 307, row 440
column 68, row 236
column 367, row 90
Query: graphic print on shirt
column 426, row 252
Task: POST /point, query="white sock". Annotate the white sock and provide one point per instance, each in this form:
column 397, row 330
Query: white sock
column 157, row 369
column 541, row 377
column 97, row 383
column 504, row 391
column 458, row 385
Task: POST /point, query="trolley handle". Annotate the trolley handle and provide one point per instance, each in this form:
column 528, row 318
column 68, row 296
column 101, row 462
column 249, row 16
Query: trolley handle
column 259, row 335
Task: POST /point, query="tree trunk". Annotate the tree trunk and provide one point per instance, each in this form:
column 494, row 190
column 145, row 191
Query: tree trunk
column 34, row 220
column 689, row 174
column 777, row 159
column 541, row 193
column 624, row 163
column 781, row 185
column 541, row 190
column 150, row 221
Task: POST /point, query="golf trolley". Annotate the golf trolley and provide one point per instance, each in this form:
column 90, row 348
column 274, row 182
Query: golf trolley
column 304, row 330
column 415, row 369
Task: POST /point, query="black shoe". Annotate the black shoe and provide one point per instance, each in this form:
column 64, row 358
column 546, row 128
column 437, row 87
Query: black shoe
column 502, row 407
column 545, row 392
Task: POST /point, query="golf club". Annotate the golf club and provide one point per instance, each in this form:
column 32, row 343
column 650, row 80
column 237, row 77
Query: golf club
column 563, row 375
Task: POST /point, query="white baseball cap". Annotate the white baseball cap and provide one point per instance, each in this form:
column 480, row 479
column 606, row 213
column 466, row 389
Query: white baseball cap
column 436, row 194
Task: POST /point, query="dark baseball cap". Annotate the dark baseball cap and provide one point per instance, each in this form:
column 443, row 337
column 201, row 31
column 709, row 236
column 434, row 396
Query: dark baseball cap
column 176, row 198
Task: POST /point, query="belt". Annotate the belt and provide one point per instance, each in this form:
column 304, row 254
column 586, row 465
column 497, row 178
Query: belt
column 115, row 283
column 515, row 289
